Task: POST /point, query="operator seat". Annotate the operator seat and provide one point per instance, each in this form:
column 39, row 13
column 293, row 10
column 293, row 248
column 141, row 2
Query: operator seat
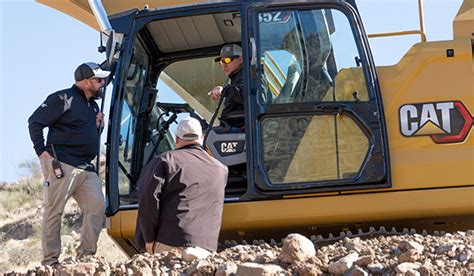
column 229, row 148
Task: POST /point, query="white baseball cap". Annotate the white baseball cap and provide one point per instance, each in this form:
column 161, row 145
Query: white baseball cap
column 189, row 129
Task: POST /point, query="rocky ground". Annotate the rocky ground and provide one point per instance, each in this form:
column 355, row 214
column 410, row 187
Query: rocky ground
column 407, row 254
column 411, row 254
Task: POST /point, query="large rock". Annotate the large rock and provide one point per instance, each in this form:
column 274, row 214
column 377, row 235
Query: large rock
column 190, row 254
column 343, row 264
column 296, row 248
column 254, row 269
column 407, row 245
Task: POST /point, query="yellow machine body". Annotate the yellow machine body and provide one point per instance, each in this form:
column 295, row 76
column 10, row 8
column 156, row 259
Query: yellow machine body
column 430, row 181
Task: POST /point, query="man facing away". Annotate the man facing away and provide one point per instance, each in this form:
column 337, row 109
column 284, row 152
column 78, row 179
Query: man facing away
column 74, row 123
column 181, row 195
column 231, row 61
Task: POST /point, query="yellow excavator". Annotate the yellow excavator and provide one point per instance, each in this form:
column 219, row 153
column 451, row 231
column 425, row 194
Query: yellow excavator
column 332, row 143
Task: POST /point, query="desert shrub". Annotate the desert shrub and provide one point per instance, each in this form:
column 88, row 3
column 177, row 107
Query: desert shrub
column 24, row 191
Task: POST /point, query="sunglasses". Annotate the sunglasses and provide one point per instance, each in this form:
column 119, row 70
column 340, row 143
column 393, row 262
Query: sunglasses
column 227, row 60
column 99, row 80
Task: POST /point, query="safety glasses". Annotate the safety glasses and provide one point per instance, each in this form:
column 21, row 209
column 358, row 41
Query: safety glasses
column 227, row 60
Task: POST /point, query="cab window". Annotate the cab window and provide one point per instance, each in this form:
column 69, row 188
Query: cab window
column 309, row 57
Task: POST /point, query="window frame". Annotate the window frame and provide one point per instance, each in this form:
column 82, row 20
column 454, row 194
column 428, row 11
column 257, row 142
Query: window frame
column 365, row 114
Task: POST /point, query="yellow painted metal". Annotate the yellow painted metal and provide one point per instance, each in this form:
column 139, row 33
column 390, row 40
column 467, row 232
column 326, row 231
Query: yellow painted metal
column 426, row 74
column 463, row 25
column 420, row 168
column 80, row 9
column 328, row 210
column 421, row 17
column 423, row 36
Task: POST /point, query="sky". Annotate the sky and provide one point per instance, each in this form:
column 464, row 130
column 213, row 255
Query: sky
column 41, row 47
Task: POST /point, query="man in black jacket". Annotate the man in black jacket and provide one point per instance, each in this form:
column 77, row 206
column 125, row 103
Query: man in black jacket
column 181, row 195
column 73, row 121
column 231, row 62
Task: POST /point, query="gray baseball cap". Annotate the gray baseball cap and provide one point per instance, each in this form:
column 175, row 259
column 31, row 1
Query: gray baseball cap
column 229, row 50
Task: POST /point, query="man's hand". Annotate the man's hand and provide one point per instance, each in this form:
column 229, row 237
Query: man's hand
column 215, row 92
column 99, row 120
column 149, row 247
column 45, row 154
column 42, row 156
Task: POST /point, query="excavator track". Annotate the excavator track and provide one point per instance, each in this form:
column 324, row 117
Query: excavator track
column 331, row 238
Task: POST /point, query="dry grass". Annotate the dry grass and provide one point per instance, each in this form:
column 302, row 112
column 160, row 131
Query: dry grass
column 20, row 223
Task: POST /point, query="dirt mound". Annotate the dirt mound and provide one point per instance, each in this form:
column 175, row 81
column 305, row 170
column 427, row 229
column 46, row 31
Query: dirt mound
column 405, row 255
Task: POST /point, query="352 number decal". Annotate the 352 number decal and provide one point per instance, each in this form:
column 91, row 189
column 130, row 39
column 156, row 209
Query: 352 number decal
column 274, row 17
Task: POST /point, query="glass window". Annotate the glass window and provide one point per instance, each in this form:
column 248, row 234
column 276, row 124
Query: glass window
column 133, row 91
column 312, row 148
column 308, row 56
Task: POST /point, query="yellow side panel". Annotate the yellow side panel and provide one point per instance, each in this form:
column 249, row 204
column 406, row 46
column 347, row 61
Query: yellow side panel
column 328, row 210
column 349, row 208
column 426, row 75
column 80, row 9
column 463, row 25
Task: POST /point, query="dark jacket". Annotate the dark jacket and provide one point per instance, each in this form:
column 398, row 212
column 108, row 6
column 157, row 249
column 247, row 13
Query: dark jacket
column 234, row 100
column 181, row 197
column 71, row 120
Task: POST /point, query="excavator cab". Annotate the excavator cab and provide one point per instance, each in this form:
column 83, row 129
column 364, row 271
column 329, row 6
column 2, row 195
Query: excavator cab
column 313, row 114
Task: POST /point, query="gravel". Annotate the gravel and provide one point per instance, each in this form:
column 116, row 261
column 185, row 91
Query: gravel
column 410, row 254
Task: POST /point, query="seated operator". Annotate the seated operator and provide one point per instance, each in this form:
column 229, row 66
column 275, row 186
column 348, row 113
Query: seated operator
column 231, row 62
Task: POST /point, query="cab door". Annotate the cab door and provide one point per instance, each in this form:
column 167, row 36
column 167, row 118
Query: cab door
column 314, row 102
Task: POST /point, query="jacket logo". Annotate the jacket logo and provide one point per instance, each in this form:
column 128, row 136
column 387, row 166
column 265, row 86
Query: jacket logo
column 67, row 102
column 444, row 122
column 229, row 147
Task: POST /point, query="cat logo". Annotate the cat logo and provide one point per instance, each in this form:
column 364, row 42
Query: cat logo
column 444, row 122
column 229, row 147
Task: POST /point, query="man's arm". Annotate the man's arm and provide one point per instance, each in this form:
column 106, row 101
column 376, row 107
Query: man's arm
column 150, row 185
column 234, row 92
column 44, row 116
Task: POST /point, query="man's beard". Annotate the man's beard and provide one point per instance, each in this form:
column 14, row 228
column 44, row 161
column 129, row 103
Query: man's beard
column 99, row 94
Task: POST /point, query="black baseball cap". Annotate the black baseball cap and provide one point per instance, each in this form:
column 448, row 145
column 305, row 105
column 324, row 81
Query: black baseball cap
column 90, row 70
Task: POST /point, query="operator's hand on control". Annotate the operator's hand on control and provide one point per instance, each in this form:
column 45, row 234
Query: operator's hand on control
column 47, row 156
column 149, row 247
column 215, row 92
column 99, row 120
